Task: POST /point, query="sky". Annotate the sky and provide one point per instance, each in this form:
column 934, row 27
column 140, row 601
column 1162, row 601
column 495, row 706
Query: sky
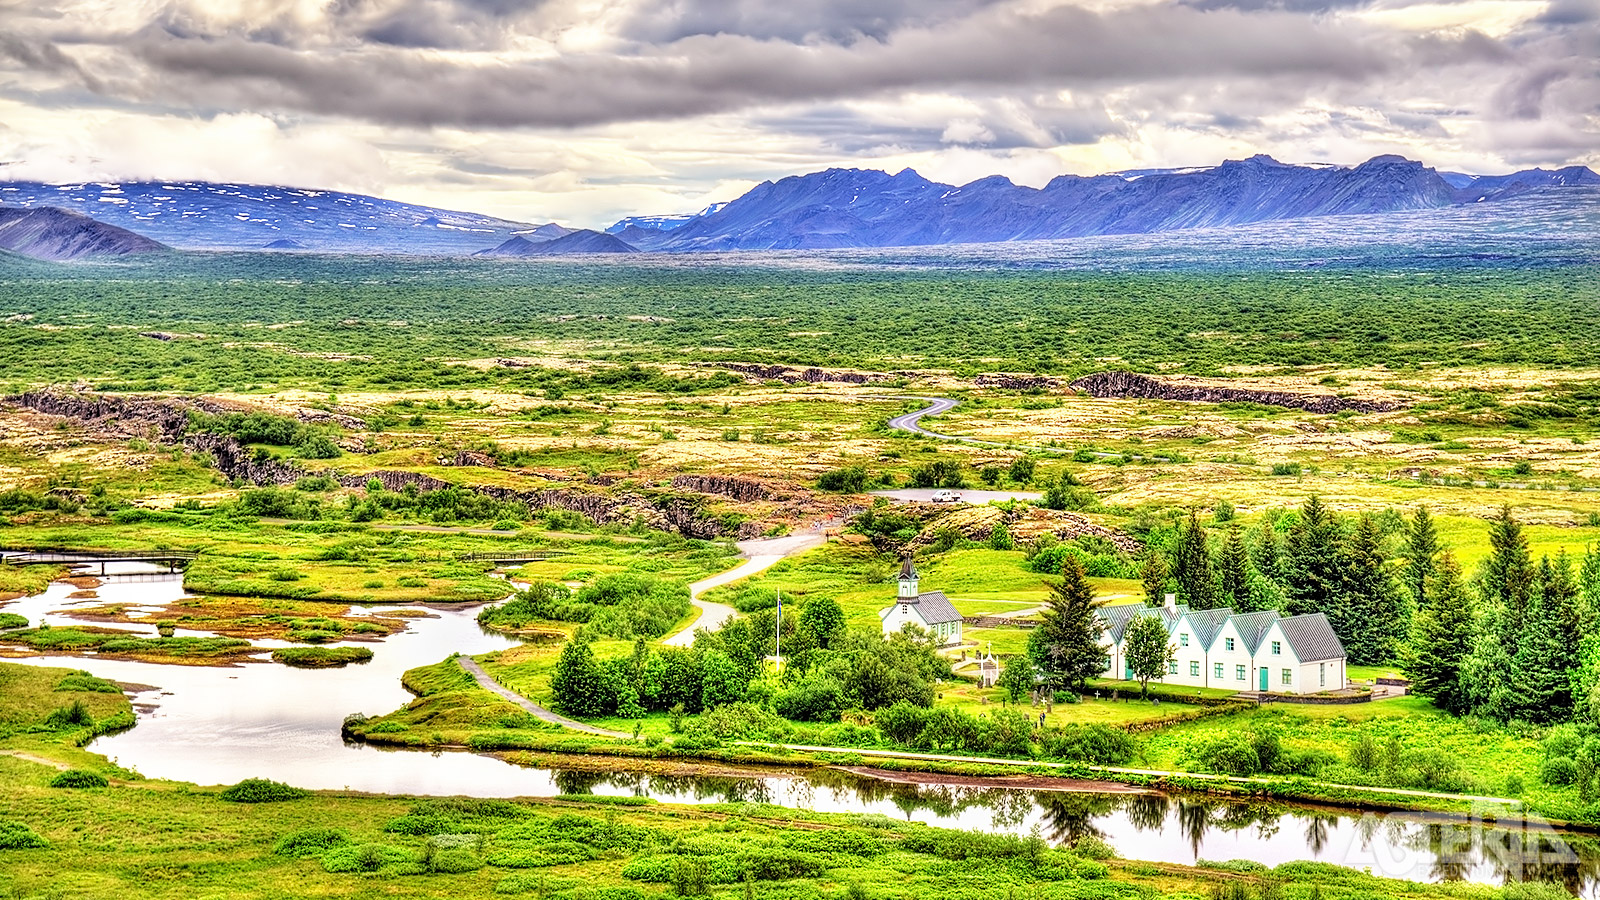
column 582, row 111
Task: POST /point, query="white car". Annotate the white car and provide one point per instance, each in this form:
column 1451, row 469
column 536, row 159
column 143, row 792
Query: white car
column 942, row 496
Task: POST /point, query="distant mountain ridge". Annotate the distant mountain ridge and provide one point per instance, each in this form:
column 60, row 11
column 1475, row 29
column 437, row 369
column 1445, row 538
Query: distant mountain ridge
column 198, row 215
column 580, row 242
column 63, row 235
column 845, row 208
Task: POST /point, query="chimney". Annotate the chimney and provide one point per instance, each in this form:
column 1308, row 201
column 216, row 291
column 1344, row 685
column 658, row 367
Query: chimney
column 1172, row 603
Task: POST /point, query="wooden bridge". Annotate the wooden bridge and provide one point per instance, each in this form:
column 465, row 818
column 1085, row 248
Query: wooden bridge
column 514, row 556
column 172, row 559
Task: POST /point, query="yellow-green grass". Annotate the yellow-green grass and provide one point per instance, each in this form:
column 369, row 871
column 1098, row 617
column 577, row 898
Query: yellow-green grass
column 972, row 699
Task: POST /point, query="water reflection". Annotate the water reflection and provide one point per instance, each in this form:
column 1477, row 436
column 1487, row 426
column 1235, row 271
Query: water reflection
column 219, row 725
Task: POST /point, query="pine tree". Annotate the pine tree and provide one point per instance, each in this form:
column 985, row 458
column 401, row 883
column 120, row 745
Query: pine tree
column 1547, row 651
column 1233, row 572
column 1586, row 680
column 1266, row 552
column 1312, row 574
column 1197, row 587
column 1153, row 574
column 1508, row 578
column 1066, row 646
column 1422, row 544
column 1441, row 638
column 1369, row 616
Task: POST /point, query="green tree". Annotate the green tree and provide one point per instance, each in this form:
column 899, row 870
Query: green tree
column 1066, row 646
column 1422, row 545
column 1547, row 654
column 1022, row 470
column 1441, row 638
column 1507, row 581
column 1369, row 616
column 579, row 686
column 721, row 682
column 1016, row 677
column 1312, row 573
column 1191, row 566
column 1000, row 538
column 821, row 622
column 1153, row 574
column 1266, row 551
column 1149, row 651
column 1233, row 571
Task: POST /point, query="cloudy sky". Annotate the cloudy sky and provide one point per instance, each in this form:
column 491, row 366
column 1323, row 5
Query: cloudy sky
column 584, row 110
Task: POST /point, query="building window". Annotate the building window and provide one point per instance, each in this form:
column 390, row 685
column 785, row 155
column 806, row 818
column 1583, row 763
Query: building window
column 1277, row 649
column 1194, row 669
column 1322, row 674
column 1288, row 676
column 1183, row 639
column 1227, row 644
column 1172, row 667
column 1238, row 673
column 1216, row 670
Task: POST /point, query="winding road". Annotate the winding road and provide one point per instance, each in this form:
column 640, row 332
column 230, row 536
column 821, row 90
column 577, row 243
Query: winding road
column 759, row 555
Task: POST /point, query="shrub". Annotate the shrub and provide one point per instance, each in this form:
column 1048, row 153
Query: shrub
column 1230, row 755
column 17, row 836
column 79, row 778
column 364, row 858
column 74, row 716
column 1096, row 744
column 849, row 480
column 310, row 842
column 454, row 861
column 83, row 682
column 260, row 790
column 12, row 620
column 1559, row 770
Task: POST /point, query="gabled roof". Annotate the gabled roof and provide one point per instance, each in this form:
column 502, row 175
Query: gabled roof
column 1206, row 623
column 1252, row 626
column 933, row 607
column 1116, row 618
column 1170, row 617
column 1311, row 637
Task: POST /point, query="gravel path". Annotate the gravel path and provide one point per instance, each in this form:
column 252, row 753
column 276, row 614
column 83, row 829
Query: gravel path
column 759, row 555
column 539, row 712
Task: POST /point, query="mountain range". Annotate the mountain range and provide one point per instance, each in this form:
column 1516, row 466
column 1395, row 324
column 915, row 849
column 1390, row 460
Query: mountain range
column 61, row 235
column 836, row 208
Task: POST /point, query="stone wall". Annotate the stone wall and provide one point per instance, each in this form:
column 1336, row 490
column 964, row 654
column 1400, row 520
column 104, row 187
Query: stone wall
column 1129, row 385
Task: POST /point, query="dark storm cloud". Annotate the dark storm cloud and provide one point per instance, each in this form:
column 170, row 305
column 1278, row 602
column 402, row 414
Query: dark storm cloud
column 705, row 74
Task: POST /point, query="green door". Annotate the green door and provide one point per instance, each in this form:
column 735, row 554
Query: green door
column 1127, row 671
column 1263, row 678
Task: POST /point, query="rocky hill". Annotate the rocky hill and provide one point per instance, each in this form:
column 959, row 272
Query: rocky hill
column 579, row 243
column 62, row 235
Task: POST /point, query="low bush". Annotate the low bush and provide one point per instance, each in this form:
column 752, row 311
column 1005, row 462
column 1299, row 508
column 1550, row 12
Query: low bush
column 17, row 836
column 366, row 858
column 260, row 790
column 12, row 620
column 79, row 778
column 310, row 842
column 83, row 682
column 320, row 657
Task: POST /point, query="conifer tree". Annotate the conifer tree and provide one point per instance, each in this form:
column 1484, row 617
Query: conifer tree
column 1508, row 578
column 1153, row 575
column 1422, row 544
column 1192, row 568
column 1586, row 680
column 1233, row 572
column 1369, row 616
column 1266, row 552
column 1066, row 646
column 1547, row 652
column 1312, row 573
column 1441, row 638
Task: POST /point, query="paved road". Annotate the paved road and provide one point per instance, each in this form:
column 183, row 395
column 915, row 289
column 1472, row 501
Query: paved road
column 539, row 712
column 759, row 555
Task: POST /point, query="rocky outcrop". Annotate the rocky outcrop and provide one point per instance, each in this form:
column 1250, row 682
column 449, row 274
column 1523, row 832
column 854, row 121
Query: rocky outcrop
column 467, row 458
column 1129, row 385
column 744, row 490
column 1017, row 382
column 790, row 375
column 238, row 464
column 141, row 417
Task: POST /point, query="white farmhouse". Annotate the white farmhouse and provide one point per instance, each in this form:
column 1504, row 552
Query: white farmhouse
column 932, row 612
column 1216, row 648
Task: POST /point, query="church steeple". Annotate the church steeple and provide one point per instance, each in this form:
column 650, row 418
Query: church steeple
column 908, row 579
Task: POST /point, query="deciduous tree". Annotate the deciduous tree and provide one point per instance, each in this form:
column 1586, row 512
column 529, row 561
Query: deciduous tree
column 1149, row 652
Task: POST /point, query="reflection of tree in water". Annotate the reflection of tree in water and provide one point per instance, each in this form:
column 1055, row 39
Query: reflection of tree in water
column 1317, row 827
column 1147, row 812
column 1070, row 817
column 1535, row 854
column 573, row 781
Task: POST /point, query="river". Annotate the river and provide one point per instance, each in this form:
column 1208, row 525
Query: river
column 217, row 725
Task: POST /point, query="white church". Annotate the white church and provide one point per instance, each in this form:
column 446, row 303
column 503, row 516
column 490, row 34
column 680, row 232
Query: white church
column 932, row 612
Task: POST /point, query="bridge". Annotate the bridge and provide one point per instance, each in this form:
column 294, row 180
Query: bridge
column 514, row 556
column 172, row 559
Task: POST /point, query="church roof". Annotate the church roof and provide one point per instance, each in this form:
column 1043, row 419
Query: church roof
column 908, row 569
column 934, row 608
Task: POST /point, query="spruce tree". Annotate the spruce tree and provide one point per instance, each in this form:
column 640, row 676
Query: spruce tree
column 1422, row 544
column 1233, row 572
column 1441, row 639
column 1266, row 552
column 1197, row 587
column 1066, row 646
column 1153, row 575
column 1312, row 573
column 1507, row 581
column 1369, row 616
column 1547, row 652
